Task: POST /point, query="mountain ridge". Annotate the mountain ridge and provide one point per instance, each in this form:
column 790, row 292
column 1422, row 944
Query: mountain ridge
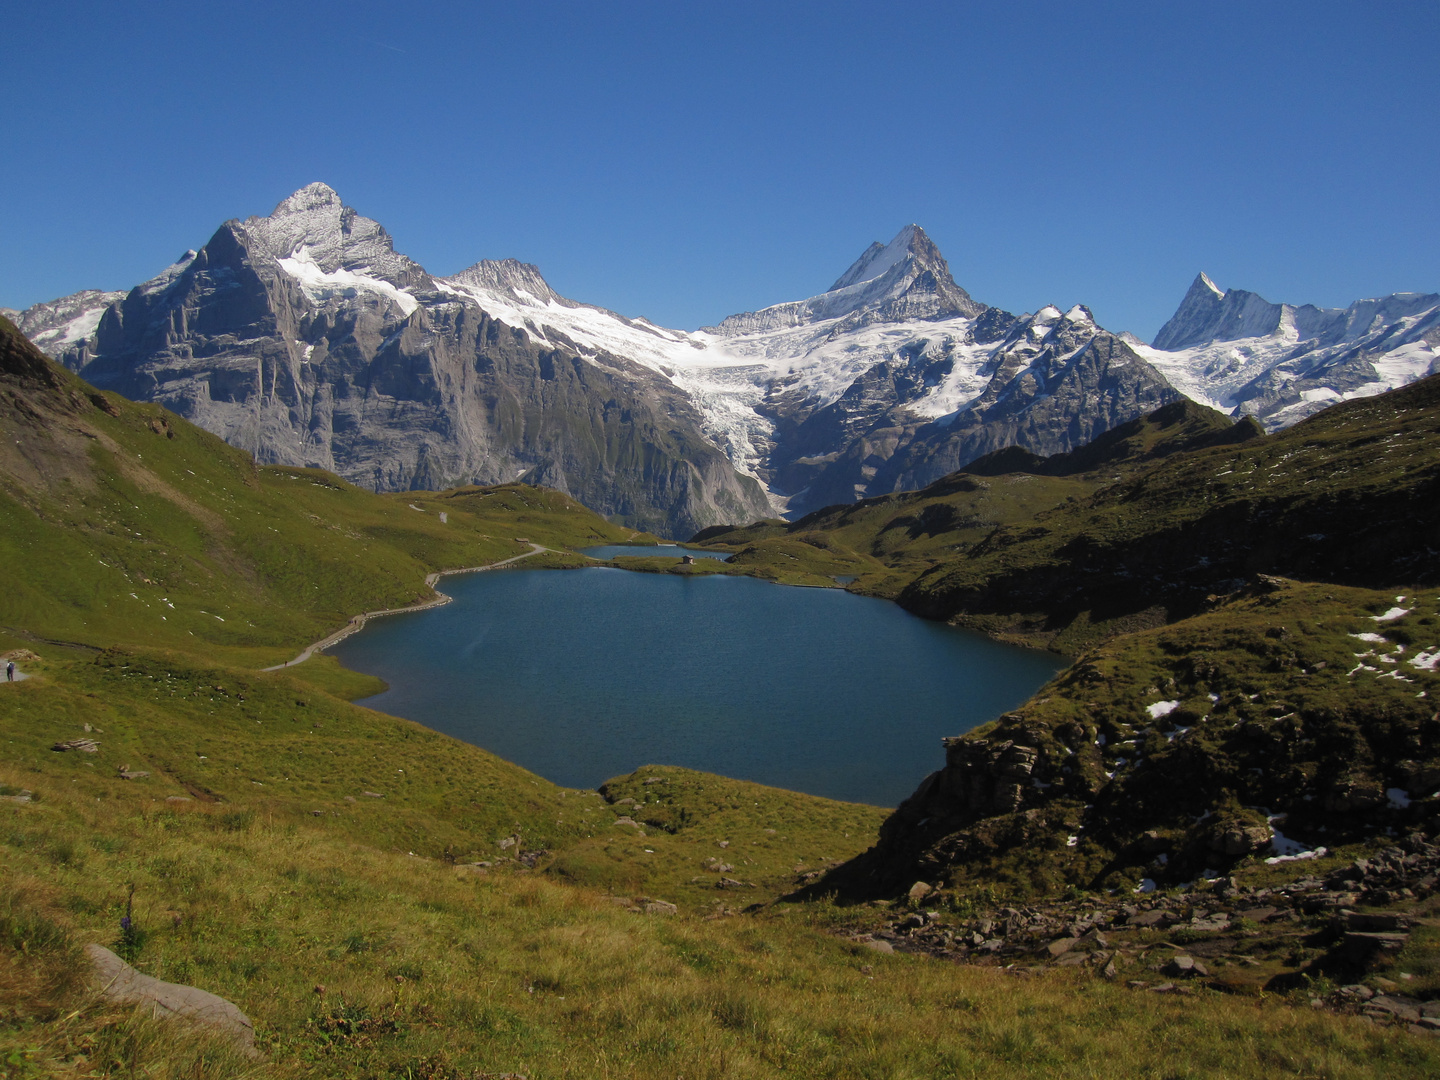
column 888, row 380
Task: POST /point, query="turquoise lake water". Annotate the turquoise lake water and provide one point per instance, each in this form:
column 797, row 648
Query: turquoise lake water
column 582, row 675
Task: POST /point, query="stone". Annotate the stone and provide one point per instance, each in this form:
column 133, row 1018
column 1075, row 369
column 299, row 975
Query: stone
column 1183, row 966
column 1153, row 917
column 122, row 984
column 1402, row 1008
column 919, row 891
column 878, row 944
column 658, row 907
column 1061, row 945
column 85, row 746
column 1357, row 990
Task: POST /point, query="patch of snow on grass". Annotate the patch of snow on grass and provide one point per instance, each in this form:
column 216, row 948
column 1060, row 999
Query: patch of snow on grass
column 1392, row 614
column 1146, row 886
column 1427, row 661
column 1376, row 638
column 1286, row 849
column 1399, row 798
column 1161, row 708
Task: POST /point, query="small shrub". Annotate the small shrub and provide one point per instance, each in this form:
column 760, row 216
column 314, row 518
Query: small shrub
column 132, row 939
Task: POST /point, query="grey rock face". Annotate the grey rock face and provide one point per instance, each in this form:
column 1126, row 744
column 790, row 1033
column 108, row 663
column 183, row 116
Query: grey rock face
column 304, row 338
column 1054, row 404
column 60, row 324
column 1053, row 385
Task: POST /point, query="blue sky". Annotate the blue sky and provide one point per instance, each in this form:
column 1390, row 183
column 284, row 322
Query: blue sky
column 683, row 161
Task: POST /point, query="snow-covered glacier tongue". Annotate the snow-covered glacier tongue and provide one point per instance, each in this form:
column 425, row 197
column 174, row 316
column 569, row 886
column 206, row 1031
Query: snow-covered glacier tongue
column 1235, row 351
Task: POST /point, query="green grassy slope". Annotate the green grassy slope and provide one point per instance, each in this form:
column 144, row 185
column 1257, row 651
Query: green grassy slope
column 325, row 866
column 122, row 523
column 1351, row 495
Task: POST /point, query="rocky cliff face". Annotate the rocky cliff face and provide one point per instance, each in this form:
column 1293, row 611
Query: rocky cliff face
column 306, row 339
column 1051, row 383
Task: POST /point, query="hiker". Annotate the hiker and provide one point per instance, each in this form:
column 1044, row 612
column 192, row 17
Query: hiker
column 10, row 671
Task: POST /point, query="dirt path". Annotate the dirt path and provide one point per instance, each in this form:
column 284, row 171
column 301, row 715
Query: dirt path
column 355, row 624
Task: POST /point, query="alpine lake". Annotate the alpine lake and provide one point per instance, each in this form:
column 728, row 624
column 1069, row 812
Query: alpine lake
column 583, row 675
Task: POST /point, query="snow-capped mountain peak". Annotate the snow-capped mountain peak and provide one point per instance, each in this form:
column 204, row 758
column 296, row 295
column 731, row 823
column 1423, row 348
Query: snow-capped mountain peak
column 1236, row 351
column 904, row 280
column 331, row 250
column 878, row 257
column 313, row 227
column 520, row 281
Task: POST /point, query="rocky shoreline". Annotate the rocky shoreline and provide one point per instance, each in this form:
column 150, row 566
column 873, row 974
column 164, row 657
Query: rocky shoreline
column 1327, row 934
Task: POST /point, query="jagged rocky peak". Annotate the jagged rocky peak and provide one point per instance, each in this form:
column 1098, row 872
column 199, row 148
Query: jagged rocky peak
column 314, row 231
column 906, row 279
column 518, row 280
column 1208, row 314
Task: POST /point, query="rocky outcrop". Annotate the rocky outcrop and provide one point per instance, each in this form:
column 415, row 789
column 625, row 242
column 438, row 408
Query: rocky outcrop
column 1224, row 933
column 1058, row 401
column 123, row 985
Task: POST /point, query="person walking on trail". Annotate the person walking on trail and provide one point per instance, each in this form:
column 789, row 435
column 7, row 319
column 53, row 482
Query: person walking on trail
column 10, row 671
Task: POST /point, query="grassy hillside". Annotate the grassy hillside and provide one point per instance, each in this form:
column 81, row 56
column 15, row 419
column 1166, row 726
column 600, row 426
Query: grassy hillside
column 1214, row 705
column 122, row 523
column 386, row 902
column 368, row 938
column 1351, row 495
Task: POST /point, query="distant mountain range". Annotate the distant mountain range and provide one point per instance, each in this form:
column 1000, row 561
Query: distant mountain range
column 305, row 338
